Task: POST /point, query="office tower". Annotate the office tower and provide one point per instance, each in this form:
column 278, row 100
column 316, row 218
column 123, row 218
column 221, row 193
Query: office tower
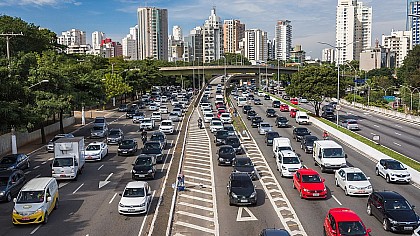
column 193, row 45
column 270, row 50
column 283, row 36
column 153, row 33
column 75, row 40
column 353, row 29
column 233, row 33
column 212, row 38
column 255, row 45
column 413, row 21
column 400, row 43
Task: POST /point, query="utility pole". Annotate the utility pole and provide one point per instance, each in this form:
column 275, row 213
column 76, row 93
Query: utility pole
column 8, row 36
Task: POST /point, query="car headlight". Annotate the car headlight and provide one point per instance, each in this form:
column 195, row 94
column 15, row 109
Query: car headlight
column 369, row 187
column 284, row 168
column 327, row 164
column 305, row 190
column 324, row 190
column 392, row 221
column 143, row 204
column 408, row 174
column 253, row 172
column 131, row 149
column 158, row 155
column 39, row 210
column 10, row 168
column 133, row 171
column 150, row 171
column 2, row 193
column 14, row 211
column 392, row 174
column 253, row 194
column 121, row 205
column 352, row 187
column 343, row 165
column 119, row 149
column 234, row 195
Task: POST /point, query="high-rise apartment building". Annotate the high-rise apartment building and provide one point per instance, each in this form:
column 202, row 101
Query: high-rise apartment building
column 129, row 44
column 97, row 38
column 328, row 55
column 255, row 45
column 413, row 22
column 75, row 40
column 177, row 33
column 193, row 45
column 153, row 33
column 400, row 43
column 353, row 29
column 270, row 50
column 283, row 36
column 212, row 38
column 233, row 33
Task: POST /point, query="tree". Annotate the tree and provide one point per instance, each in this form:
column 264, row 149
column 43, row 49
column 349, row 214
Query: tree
column 315, row 83
column 409, row 72
column 115, row 86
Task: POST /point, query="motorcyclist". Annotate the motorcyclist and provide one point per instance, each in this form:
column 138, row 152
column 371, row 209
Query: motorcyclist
column 143, row 135
column 325, row 134
column 200, row 122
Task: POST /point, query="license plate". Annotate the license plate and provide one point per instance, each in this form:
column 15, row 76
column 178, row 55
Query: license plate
column 131, row 210
column 228, row 162
column 408, row 228
column 62, row 175
column 244, row 200
column 142, row 175
column 25, row 218
column 361, row 191
column 316, row 194
column 124, row 152
column 89, row 157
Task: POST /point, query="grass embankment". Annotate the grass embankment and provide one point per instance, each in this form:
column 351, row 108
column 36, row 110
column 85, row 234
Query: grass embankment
column 236, row 120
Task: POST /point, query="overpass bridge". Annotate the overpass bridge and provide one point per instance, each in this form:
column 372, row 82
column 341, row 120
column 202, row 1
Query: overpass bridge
column 229, row 69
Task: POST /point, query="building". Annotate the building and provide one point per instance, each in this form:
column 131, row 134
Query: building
column 193, row 45
column 212, row 38
column 177, row 33
column 328, row 55
column 353, row 29
column 97, row 38
column 376, row 58
column 233, row 33
column 283, row 43
column 400, row 43
column 111, row 49
column 75, row 40
column 413, row 23
column 255, row 45
column 297, row 55
column 152, row 33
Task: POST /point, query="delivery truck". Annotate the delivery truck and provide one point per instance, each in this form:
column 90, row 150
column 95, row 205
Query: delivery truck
column 69, row 158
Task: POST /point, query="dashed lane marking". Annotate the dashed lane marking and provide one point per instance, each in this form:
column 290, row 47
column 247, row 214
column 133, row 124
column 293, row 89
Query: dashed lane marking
column 100, row 167
column 399, row 145
column 339, row 203
column 113, row 197
column 397, row 133
column 377, row 126
column 77, row 189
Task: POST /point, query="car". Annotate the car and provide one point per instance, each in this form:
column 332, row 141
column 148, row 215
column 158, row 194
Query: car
column 264, row 127
column 215, row 125
column 274, row 232
column 244, row 165
column 328, row 114
column 241, row 190
column 260, row 93
column 294, row 101
column 50, row 145
column 127, row 147
column 284, row 107
column 267, row 97
column 100, row 120
column 393, row 211
column 343, row 221
column 226, row 154
column 328, row 107
column 307, row 143
column 99, row 131
column 147, row 124
column 393, row 171
column 333, row 104
column 282, row 122
column 251, row 114
column 177, row 110
column 230, row 129
column 276, row 104
column 135, row 199
column 246, row 108
column 293, row 112
column 160, row 137
column 130, row 113
column 257, row 101
column 225, row 118
column 207, row 110
column 255, row 121
column 250, row 96
column 157, row 116
column 115, row 136
column 309, row 184
column 123, row 108
column 174, row 117
column 163, row 110
column 300, row 132
column 138, row 117
column 235, row 143
column 11, row 181
column 270, row 112
column 153, row 148
column 220, row 137
column 303, row 100
column 167, row 127
column 270, row 136
column 207, row 117
column 144, row 167
column 288, row 163
column 96, row 151
column 15, row 161
column 353, row 181
column 350, row 124
column 153, row 107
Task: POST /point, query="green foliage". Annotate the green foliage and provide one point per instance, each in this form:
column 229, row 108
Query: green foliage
column 409, row 72
column 115, row 86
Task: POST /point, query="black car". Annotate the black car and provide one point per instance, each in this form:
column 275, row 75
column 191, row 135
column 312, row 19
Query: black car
column 123, row 108
column 226, row 154
column 14, row 161
column 115, row 136
column 255, row 121
column 144, row 167
column 127, row 147
column 229, row 128
column 130, row 113
column 270, row 112
column 244, row 164
column 220, row 137
column 328, row 107
column 251, row 114
column 393, row 210
column 286, row 97
column 241, row 190
column 153, row 148
column 246, row 108
column 160, row 137
column 257, row 101
column 274, row 232
column 11, row 181
column 276, row 104
column 267, row 97
column 282, row 122
column 328, row 114
column 235, row 143
column 307, row 143
column 250, row 96
column 300, row 132
column 269, row 136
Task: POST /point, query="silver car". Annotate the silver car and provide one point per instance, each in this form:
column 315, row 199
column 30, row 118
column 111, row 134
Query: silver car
column 99, row 131
column 264, row 127
column 173, row 116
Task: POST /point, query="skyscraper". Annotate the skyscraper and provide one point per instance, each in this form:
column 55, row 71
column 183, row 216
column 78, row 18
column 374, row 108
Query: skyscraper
column 212, row 38
column 233, row 33
column 129, row 44
column 283, row 38
column 400, row 43
column 177, row 32
column 353, row 29
column 193, row 47
column 413, row 22
column 256, row 45
column 97, row 38
column 75, row 40
column 153, row 33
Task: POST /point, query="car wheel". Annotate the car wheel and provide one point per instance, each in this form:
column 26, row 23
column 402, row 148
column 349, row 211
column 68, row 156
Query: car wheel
column 377, row 171
column 9, row 197
column 56, row 204
column 28, row 165
column 388, row 179
column 322, row 169
column 336, row 182
column 346, row 191
column 369, row 210
column 300, row 194
column 385, row 224
column 45, row 218
column 293, row 185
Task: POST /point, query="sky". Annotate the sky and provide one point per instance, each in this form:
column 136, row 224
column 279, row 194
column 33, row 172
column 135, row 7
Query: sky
column 312, row 20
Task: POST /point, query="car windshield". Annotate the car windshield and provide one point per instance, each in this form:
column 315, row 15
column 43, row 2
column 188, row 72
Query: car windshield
column 272, row 135
column 98, row 128
column 3, row 181
column 134, row 192
column 265, row 125
column 209, row 115
column 225, row 115
column 357, row 176
column 217, row 123
column 302, row 130
column 352, row 122
column 127, row 142
column 63, row 162
column 144, row 161
column 270, row 111
column 152, row 146
column 285, row 148
column 156, row 137
column 393, row 165
column 114, row 132
column 30, row 197
column 310, row 139
column 333, row 152
column 243, row 162
column 232, row 141
column 282, row 119
column 397, row 204
column 241, row 184
column 173, row 114
column 101, row 120
column 166, row 123
column 226, row 150
column 257, row 119
column 222, row 133
column 303, row 117
column 291, row 160
column 93, row 147
column 8, row 160
column 351, row 228
column 311, row 179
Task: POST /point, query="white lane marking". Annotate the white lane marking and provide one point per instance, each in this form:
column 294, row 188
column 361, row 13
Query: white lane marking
column 50, row 159
column 399, row 145
column 196, row 227
column 399, row 126
column 62, row 184
column 339, row 203
column 372, row 133
column 251, row 216
column 43, row 163
column 201, row 217
column 377, row 126
column 112, row 199
column 36, row 167
column 397, row 133
column 37, row 176
column 100, row 167
column 147, row 213
column 33, row 231
column 379, row 120
column 78, row 188
column 166, row 157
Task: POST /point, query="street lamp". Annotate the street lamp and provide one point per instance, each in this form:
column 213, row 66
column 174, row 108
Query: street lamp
column 355, row 84
column 278, row 75
column 385, row 89
column 40, row 82
column 412, row 90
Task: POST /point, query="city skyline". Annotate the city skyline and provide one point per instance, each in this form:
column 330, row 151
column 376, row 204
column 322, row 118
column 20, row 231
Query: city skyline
column 312, row 21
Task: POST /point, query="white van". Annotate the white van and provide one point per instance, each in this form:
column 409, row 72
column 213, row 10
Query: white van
column 281, row 144
column 35, row 201
column 302, row 118
column 241, row 101
column 329, row 155
column 219, row 98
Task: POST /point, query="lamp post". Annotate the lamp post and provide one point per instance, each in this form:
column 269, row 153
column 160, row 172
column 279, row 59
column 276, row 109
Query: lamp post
column 412, row 90
column 355, row 83
column 278, row 75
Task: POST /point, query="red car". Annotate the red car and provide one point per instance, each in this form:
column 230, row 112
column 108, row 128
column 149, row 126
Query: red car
column 294, row 101
column 219, row 104
column 309, row 184
column 293, row 112
column 284, row 107
column 220, row 112
column 343, row 221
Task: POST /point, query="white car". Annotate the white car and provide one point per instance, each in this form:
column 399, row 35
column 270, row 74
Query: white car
column 156, row 116
column 147, row 124
column 208, row 117
column 174, row 102
column 205, row 105
column 260, row 93
column 353, row 181
column 207, row 110
column 225, row 118
column 136, row 198
column 163, row 110
column 264, row 127
column 216, row 125
column 288, row 163
column 173, row 116
column 167, row 126
column 350, row 124
column 393, row 171
column 96, row 151
column 153, row 107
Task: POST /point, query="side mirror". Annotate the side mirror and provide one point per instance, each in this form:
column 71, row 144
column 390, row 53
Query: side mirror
column 298, row 155
column 345, row 155
column 413, row 206
column 385, row 167
column 368, row 231
column 368, row 178
column 120, row 194
column 133, row 164
column 323, row 180
column 49, row 199
column 149, row 194
column 333, row 231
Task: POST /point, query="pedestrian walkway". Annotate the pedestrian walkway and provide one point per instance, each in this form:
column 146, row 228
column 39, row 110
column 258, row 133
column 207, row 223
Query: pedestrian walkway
column 195, row 209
